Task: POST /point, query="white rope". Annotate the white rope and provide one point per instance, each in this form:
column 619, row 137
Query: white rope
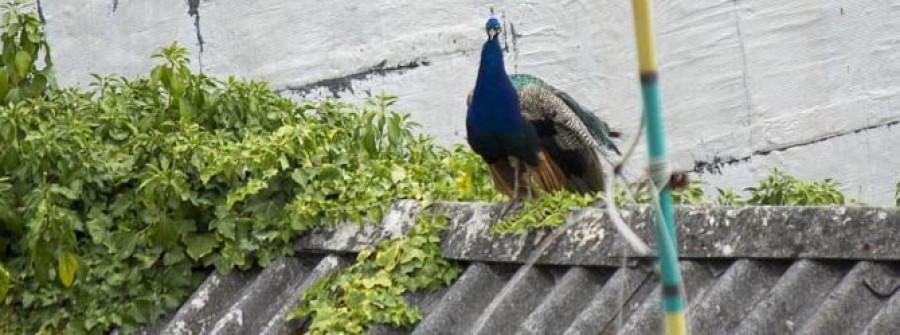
column 628, row 235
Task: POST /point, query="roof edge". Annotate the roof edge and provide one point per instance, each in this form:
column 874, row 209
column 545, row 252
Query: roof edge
column 588, row 239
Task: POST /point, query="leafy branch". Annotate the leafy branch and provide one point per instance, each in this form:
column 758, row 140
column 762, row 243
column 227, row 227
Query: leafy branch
column 371, row 290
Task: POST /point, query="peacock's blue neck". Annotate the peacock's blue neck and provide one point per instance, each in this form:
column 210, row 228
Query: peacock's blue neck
column 495, row 102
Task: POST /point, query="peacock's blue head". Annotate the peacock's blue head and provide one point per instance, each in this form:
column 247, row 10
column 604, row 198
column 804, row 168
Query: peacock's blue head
column 492, row 27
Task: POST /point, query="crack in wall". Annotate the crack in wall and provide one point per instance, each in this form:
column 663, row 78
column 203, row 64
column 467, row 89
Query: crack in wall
column 345, row 83
column 744, row 74
column 194, row 11
column 715, row 166
column 515, row 46
column 40, row 11
column 504, row 32
column 510, row 37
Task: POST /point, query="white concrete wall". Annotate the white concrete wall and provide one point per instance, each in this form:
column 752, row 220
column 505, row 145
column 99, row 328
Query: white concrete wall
column 809, row 86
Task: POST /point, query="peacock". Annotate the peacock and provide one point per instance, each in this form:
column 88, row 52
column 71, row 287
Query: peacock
column 535, row 138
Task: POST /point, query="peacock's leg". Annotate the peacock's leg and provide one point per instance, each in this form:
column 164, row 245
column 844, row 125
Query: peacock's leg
column 515, row 164
column 528, row 188
column 515, row 201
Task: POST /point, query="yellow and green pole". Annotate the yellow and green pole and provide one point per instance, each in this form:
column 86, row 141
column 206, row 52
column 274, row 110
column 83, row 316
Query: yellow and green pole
column 672, row 293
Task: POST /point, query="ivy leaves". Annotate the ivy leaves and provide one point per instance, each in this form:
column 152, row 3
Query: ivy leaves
column 201, row 246
column 371, row 290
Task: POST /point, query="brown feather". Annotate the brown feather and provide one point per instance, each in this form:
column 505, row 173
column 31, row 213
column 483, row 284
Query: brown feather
column 548, row 175
column 539, row 103
column 503, row 173
column 593, row 175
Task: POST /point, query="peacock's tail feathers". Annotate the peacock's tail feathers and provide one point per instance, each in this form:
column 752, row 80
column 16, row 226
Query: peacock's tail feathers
column 548, row 175
column 503, row 175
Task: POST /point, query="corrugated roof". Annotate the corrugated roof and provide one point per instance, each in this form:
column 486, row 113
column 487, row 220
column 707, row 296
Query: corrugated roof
column 831, row 271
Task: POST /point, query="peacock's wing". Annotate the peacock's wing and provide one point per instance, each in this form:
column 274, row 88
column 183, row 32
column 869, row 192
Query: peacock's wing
column 564, row 135
column 597, row 128
column 520, row 80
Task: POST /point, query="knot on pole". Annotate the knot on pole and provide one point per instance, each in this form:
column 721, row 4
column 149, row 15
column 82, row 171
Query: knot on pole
column 659, row 172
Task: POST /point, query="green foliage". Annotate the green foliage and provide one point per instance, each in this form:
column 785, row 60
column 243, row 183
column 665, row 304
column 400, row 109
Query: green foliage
column 784, row 190
column 549, row 210
column 23, row 47
column 4, row 281
column 692, row 195
column 118, row 199
column 897, row 194
column 727, row 197
column 777, row 189
column 5, row 209
column 371, row 290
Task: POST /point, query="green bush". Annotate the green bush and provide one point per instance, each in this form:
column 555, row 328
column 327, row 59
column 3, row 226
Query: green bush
column 119, row 198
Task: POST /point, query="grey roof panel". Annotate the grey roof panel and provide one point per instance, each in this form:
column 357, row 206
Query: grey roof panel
column 290, row 298
column 625, row 291
column 733, row 295
column 262, row 299
column 697, row 278
column 851, row 305
column 887, row 320
column 461, row 306
column 819, row 290
column 571, row 295
column 209, row 302
column 792, row 299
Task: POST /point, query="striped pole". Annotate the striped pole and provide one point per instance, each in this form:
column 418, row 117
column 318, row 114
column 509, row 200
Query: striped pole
column 673, row 297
